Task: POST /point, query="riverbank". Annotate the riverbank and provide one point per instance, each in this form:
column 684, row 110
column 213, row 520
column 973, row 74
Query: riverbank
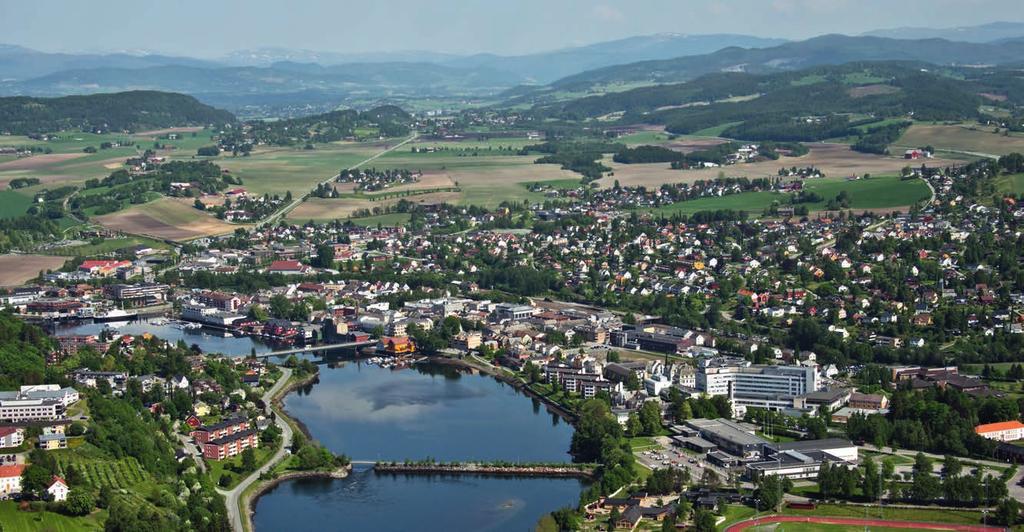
column 249, row 501
column 576, row 471
column 244, row 494
column 553, row 406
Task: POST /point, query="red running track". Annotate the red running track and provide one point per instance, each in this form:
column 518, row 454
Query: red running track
column 853, row 521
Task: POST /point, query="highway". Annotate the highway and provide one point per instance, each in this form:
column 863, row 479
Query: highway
column 296, row 201
column 231, row 497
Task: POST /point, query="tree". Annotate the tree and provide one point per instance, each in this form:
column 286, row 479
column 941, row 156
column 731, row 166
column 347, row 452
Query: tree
column 771, row 489
column 613, row 518
column 80, row 502
column 650, row 418
column 703, row 520
column 1008, row 512
column 951, row 466
column 249, row 459
column 35, row 479
column 872, row 483
column 324, row 256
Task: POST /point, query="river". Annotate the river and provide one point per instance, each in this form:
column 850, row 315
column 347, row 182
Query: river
column 370, row 413
column 209, row 341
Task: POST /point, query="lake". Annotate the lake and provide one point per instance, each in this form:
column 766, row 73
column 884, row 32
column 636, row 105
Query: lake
column 371, row 413
column 207, row 340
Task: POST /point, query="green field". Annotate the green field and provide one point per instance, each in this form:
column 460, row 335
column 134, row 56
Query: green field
column 14, row 520
column 968, row 138
column 387, row 220
column 278, row 170
column 875, row 193
column 965, row 517
column 107, row 246
column 1010, row 184
column 13, row 203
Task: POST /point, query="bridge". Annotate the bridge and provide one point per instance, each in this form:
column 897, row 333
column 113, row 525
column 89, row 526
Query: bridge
column 310, row 349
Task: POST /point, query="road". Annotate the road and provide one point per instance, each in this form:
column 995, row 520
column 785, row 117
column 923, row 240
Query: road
column 295, row 203
column 192, row 449
column 231, row 497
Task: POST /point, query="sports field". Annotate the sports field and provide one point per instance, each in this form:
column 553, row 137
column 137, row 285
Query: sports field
column 961, row 138
column 814, row 522
column 836, row 160
column 166, row 219
column 17, row 269
column 878, row 193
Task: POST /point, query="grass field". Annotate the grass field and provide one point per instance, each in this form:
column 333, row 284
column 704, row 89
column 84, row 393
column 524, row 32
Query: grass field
column 17, row 269
column 110, row 245
column 1010, row 184
column 319, row 209
column 963, row 517
column 166, row 219
column 278, row 170
column 877, row 193
column 13, row 203
column 836, row 160
column 388, row 220
column 14, row 520
column 960, row 138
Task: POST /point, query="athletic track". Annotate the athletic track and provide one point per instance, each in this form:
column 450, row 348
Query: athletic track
column 852, row 521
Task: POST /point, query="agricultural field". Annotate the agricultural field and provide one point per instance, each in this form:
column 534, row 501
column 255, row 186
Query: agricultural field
column 279, row 170
column 106, row 246
column 963, row 138
column 319, row 209
column 119, row 474
column 15, row 270
column 13, row 203
column 836, row 160
column 878, row 193
column 166, row 219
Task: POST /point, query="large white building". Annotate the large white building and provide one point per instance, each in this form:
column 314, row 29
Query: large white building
column 33, row 403
column 1003, row 431
column 763, row 386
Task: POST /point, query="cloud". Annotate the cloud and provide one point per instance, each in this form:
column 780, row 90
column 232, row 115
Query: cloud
column 608, row 13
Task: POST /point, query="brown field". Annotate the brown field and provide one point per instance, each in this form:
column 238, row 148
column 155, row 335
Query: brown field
column 689, row 145
column 39, row 161
column 962, row 138
column 836, row 160
column 157, row 132
column 330, row 209
column 166, row 219
column 17, row 269
column 872, row 90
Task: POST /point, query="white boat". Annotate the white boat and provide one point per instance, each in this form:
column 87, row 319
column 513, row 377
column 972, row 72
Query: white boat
column 114, row 315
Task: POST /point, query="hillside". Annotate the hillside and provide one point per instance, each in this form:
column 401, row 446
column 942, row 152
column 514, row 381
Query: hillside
column 808, row 105
column 824, row 50
column 126, row 111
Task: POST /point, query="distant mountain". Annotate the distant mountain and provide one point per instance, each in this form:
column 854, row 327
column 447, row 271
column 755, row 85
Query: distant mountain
column 20, row 63
column 277, row 78
column 541, row 67
column 824, row 50
column 545, row 67
column 126, row 111
column 995, row 31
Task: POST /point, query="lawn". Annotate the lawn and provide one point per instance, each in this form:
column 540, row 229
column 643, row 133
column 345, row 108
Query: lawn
column 1010, row 184
column 966, row 517
column 107, row 246
column 735, row 513
column 14, row 520
column 216, row 468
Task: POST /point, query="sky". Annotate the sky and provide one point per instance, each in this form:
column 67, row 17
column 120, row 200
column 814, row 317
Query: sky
column 211, row 28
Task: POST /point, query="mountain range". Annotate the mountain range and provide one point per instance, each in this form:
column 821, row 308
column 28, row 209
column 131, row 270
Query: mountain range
column 277, row 76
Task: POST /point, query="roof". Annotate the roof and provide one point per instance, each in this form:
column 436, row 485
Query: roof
column 997, row 427
column 286, row 265
column 232, row 437
column 57, row 479
column 8, row 471
column 7, row 431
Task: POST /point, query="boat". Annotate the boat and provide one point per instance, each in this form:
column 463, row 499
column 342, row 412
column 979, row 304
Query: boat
column 115, row 314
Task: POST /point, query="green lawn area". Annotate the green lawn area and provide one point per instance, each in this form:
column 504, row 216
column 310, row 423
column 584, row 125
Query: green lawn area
column 14, row 520
column 875, row 193
column 735, row 513
column 107, row 246
column 13, row 203
column 1010, row 184
column 644, row 137
column 714, row 131
column 966, row 517
column 216, row 468
column 641, row 443
column 393, row 219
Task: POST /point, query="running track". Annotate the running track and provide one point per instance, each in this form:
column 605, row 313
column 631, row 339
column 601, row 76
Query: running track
column 852, row 521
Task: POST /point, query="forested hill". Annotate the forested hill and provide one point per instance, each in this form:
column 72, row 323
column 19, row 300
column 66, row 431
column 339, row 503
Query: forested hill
column 123, row 111
column 824, row 50
column 876, row 88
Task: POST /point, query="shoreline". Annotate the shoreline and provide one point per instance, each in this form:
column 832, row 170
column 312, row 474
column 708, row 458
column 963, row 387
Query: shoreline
column 265, row 486
column 484, row 470
column 247, row 502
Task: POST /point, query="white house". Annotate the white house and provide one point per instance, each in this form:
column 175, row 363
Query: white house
column 58, row 490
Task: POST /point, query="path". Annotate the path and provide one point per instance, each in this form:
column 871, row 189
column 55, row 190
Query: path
column 295, row 203
column 851, row 521
column 232, row 497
